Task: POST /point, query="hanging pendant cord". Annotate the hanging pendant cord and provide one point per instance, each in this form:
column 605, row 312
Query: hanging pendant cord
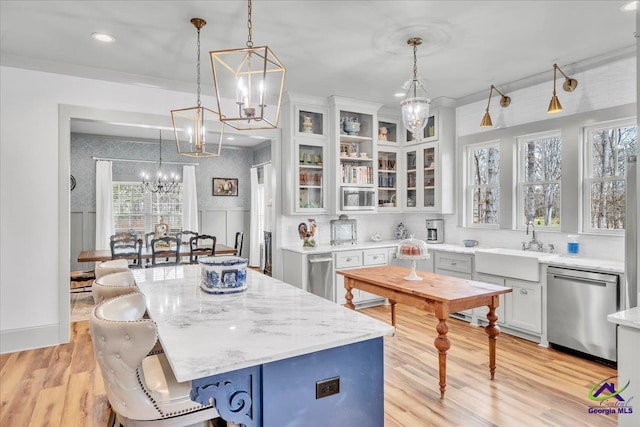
column 250, row 26
column 198, row 78
column 415, row 70
column 160, row 167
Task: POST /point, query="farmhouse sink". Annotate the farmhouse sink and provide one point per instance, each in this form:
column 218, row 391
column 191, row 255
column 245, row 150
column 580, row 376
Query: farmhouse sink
column 513, row 263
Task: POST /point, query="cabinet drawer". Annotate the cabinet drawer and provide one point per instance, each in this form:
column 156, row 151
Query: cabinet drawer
column 453, row 262
column 348, row 259
column 376, row 257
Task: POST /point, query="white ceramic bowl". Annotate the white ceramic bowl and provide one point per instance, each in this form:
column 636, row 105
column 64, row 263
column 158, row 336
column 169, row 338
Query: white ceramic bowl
column 223, row 274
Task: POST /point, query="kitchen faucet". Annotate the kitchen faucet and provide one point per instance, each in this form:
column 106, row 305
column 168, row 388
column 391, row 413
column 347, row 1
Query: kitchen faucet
column 534, row 241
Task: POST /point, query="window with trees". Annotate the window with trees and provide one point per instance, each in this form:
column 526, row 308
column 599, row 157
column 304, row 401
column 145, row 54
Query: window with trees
column 607, row 146
column 134, row 209
column 483, row 184
column 539, row 174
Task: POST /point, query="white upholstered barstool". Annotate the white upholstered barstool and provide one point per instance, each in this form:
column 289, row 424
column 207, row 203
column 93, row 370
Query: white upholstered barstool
column 112, row 266
column 113, row 285
column 141, row 389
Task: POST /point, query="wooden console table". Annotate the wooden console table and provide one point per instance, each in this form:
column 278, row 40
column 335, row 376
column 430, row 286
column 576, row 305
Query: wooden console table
column 435, row 293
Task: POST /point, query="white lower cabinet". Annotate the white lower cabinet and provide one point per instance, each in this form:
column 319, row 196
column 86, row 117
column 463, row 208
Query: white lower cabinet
column 481, row 312
column 524, row 305
column 344, row 260
column 455, row 265
column 519, row 309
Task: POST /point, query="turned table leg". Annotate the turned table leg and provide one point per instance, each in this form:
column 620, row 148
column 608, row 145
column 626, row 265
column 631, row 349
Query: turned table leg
column 393, row 312
column 492, row 331
column 442, row 344
column 349, row 296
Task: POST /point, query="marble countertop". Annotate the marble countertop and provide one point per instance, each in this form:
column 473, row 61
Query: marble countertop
column 609, row 266
column 604, row 265
column 204, row 334
column 373, row 245
column 630, row 318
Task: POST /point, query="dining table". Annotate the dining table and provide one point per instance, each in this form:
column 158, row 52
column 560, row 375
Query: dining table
column 105, row 254
column 272, row 355
column 435, row 293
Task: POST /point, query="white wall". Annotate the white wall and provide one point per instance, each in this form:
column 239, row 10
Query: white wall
column 33, row 305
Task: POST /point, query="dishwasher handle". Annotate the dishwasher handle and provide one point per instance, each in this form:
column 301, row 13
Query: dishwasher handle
column 589, row 282
column 585, row 276
column 318, row 259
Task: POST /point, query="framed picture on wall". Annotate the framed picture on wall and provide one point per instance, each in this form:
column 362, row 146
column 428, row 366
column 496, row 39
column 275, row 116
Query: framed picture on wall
column 225, row 186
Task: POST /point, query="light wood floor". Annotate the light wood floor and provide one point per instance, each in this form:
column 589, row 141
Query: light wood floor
column 62, row 385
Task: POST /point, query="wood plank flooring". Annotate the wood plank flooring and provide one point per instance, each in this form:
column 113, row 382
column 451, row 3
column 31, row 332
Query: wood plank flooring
column 534, row 386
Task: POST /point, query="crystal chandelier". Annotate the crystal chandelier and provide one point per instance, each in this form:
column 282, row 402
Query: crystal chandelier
column 253, row 77
column 162, row 184
column 415, row 106
column 189, row 123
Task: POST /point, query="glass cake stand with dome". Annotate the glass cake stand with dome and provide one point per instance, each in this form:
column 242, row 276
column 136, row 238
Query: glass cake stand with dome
column 414, row 250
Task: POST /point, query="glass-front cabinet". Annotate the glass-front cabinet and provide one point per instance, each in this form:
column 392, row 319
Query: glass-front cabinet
column 421, row 177
column 387, row 179
column 305, row 130
column 311, row 178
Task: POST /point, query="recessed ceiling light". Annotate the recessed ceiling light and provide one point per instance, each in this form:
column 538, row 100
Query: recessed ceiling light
column 398, row 94
column 632, row 5
column 230, row 138
column 103, row 37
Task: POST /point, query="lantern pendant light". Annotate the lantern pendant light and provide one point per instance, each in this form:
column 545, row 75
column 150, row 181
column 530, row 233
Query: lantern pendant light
column 189, row 123
column 415, row 106
column 249, row 82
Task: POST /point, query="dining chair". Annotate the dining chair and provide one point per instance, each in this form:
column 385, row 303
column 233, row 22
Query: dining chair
column 141, row 388
column 186, row 235
column 126, row 245
column 238, row 243
column 113, row 285
column 201, row 245
column 267, row 253
column 167, row 247
column 113, row 266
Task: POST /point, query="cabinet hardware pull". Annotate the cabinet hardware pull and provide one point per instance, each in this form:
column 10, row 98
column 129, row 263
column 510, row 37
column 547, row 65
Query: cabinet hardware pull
column 349, row 259
column 375, row 257
column 524, row 292
column 453, row 263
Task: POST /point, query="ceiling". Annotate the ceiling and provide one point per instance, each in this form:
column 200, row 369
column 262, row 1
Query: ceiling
column 355, row 49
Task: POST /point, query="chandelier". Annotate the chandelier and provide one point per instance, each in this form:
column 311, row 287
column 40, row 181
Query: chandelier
column 189, row 123
column 415, row 106
column 251, row 76
column 161, row 185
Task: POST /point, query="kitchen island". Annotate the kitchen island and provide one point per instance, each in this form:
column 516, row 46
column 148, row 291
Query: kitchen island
column 272, row 355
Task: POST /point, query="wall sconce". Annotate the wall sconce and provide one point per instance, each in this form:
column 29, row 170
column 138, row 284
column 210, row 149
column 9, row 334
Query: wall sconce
column 505, row 101
column 569, row 85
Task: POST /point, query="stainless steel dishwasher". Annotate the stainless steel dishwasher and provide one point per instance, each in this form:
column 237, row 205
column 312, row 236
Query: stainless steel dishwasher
column 578, row 303
column 320, row 275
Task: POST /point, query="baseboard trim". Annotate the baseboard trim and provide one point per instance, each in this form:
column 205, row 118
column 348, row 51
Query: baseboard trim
column 29, row 338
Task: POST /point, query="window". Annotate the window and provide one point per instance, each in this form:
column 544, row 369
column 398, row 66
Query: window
column 483, row 184
column 133, row 209
column 539, row 174
column 606, row 151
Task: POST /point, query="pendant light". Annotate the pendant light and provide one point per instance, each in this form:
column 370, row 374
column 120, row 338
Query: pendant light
column 161, row 185
column 569, row 85
column 189, row 123
column 415, row 106
column 505, row 101
column 249, row 82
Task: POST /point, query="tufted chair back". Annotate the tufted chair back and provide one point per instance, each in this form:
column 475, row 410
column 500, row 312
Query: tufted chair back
column 112, row 266
column 113, row 285
column 141, row 388
column 122, row 338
